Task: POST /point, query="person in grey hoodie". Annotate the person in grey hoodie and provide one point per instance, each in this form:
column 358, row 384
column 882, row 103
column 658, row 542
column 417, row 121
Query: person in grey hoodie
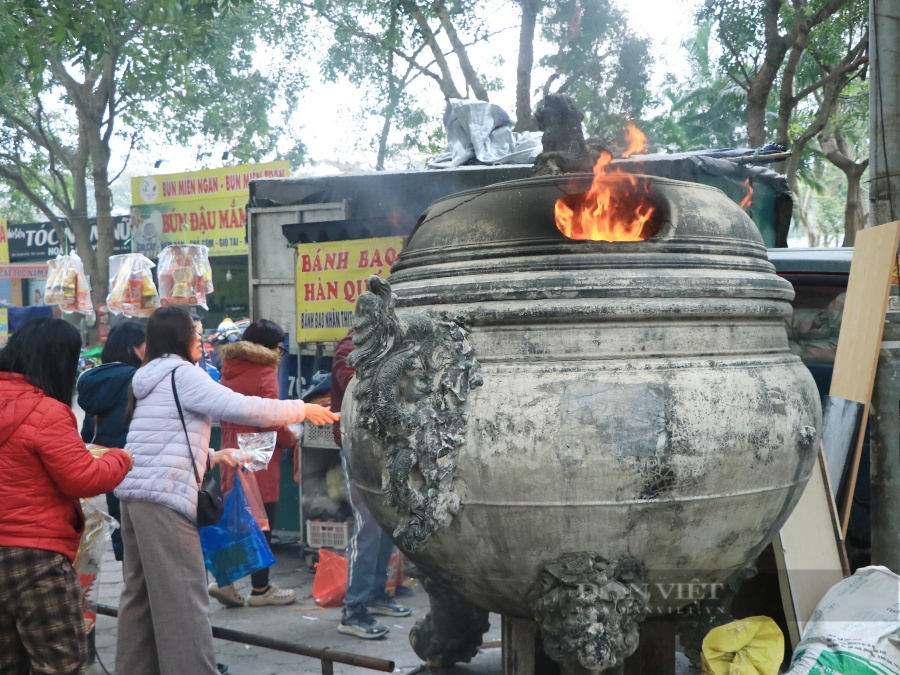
column 163, row 612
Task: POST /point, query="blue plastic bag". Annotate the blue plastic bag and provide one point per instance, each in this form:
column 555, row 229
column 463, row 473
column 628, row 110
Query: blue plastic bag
column 235, row 546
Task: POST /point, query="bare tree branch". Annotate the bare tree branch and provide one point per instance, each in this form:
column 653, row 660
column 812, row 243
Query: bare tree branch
column 448, row 87
column 352, row 30
column 469, row 73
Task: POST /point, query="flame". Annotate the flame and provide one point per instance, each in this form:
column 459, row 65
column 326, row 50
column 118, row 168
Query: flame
column 636, row 141
column 395, row 219
column 616, row 208
column 747, row 201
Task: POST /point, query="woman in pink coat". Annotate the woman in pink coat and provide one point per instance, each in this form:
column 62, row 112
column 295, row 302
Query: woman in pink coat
column 250, row 367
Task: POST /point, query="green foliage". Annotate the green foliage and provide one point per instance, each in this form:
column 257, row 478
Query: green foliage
column 793, row 69
column 600, row 62
column 378, row 48
column 703, row 110
column 77, row 75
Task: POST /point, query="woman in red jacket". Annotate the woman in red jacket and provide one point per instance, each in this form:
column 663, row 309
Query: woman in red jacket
column 45, row 468
column 250, row 367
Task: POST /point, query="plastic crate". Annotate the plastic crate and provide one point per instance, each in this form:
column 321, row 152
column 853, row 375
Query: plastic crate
column 318, row 436
column 321, row 534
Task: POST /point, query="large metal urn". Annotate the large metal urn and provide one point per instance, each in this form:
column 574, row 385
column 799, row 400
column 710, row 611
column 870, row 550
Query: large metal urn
column 558, row 428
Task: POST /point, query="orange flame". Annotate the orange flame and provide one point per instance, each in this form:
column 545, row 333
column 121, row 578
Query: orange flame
column 747, row 201
column 616, row 208
column 636, row 141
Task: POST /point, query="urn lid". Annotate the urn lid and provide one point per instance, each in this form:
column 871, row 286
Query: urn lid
column 516, row 218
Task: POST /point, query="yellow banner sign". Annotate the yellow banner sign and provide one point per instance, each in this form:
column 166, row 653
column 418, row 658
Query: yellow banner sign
column 4, row 326
column 331, row 276
column 216, row 223
column 4, row 244
column 194, row 186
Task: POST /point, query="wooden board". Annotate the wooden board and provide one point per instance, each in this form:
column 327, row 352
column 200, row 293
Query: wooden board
column 862, row 324
column 841, row 422
column 809, row 551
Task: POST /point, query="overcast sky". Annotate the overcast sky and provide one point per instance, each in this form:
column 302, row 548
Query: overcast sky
column 328, row 122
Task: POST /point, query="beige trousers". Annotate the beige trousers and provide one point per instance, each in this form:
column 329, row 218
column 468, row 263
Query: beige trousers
column 164, row 624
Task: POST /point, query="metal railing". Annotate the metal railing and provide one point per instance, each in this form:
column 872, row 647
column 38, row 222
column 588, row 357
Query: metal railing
column 327, row 656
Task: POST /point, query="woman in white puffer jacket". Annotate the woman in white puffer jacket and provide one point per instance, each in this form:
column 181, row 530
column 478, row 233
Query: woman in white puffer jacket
column 163, row 564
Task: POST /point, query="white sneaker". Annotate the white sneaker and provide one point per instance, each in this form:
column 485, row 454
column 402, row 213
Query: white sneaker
column 273, row 596
column 227, row 595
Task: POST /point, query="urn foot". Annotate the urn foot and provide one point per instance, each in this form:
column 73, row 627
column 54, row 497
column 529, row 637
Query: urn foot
column 588, row 610
column 452, row 631
column 696, row 620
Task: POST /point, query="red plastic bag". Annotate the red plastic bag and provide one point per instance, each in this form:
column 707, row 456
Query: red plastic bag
column 395, row 573
column 254, row 498
column 330, row 584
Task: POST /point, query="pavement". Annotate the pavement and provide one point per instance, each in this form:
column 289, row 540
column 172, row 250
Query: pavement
column 302, row 623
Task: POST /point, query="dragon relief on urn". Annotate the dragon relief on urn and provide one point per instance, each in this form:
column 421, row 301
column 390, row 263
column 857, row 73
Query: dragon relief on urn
column 414, row 372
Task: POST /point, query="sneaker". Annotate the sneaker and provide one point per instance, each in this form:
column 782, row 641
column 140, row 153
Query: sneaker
column 222, row 668
column 362, row 625
column 273, row 596
column 227, row 595
column 386, row 606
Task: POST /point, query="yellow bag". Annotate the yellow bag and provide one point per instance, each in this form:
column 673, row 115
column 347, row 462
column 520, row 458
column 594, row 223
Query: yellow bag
column 752, row 646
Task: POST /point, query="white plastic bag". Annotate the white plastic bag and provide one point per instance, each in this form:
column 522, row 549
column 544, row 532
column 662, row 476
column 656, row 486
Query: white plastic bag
column 855, row 629
column 255, row 449
column 98, row 529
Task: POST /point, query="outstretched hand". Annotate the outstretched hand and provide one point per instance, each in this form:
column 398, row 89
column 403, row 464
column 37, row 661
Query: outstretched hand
column 318, row 414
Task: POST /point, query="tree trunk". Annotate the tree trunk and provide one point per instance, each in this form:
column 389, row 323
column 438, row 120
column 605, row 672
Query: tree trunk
column 524, row 116
column 448, row 88
column 801, row 211
column 105, row 224
column 469, row 73
column 761, row 85
column 393, row 96
column 837, row 151
column 854, row 214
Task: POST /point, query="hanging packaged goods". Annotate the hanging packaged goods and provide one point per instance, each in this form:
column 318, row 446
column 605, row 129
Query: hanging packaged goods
column 67, row 285
column 185, row 277
column 131, row 288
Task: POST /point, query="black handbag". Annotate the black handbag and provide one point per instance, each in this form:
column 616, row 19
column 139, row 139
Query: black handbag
column 210, row 502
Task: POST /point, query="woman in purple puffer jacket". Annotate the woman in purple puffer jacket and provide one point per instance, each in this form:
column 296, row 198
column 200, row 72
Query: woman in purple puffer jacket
column 163, row 612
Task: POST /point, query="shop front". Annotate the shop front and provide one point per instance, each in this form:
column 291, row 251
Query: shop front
column 202, row 208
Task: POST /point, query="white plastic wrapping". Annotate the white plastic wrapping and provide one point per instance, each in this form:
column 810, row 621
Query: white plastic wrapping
column 131, row 288
column 67, row 285
column 855, row 629
column 185, row 276
column 255, row 449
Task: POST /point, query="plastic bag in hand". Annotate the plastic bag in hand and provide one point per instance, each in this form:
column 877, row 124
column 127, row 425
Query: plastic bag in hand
column 254, row 498
column 98, row 527
column 255, row 449
column 235, row 546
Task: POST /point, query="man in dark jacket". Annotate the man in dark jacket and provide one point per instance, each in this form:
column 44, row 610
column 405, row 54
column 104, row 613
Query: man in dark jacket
column 370, row 548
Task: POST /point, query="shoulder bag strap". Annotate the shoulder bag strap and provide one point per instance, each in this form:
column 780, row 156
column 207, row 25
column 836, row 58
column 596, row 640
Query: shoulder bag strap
column 184, row 426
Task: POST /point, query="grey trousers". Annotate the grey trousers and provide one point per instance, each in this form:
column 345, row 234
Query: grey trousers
column 164, row 624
